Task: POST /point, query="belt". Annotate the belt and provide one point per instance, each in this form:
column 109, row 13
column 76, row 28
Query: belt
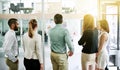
column 58, row 52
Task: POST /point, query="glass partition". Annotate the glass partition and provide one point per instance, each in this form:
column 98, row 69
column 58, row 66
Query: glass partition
column 112, row 17
column 24, row 10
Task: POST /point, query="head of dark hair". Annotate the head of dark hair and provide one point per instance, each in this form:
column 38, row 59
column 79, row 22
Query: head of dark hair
column 12, row 21
column 58, row 19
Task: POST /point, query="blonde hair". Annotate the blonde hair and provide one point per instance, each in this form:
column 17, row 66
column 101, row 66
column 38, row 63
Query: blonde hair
column 32, row 26
column 104, row 25
column 88, row 22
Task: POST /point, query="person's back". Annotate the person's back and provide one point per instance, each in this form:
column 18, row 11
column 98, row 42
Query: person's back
column 89, row 41
column 59, row 37
column 30, row 45
column 33, row 58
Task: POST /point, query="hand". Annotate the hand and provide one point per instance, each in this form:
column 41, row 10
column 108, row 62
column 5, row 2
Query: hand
column 70, row 53
column 97, row 54
column 41, row 67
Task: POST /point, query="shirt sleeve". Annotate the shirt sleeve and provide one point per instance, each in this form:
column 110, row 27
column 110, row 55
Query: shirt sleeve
column 39, row 49
column 68, row 40
column 82, row 39
column 8, row 44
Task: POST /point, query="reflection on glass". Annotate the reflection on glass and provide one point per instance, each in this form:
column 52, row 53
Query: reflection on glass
column 112, row 20
column 111, row 10
column 111, row 16
column 19, row 6
column 68, row 6
column 119, row 29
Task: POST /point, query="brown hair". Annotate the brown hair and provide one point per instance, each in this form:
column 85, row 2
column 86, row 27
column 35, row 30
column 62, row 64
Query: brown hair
column 88, row 22
column 32, row 26
column 104, row 25
column 58, row 18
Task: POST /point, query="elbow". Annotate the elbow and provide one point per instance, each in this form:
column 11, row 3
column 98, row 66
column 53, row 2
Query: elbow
column 79, row 43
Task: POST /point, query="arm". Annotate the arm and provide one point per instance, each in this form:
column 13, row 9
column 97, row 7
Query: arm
column 39, row 49
column 103, row 39
column 8, row 44
column 69, row 43
column 82, row 39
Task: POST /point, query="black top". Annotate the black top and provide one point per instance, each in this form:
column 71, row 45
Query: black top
column 89, row 41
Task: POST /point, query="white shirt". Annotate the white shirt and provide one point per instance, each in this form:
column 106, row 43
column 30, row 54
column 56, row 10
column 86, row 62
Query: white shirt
column 10, row 45
column 32, row 47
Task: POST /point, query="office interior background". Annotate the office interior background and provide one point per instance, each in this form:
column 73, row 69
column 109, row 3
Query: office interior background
column 73, row 12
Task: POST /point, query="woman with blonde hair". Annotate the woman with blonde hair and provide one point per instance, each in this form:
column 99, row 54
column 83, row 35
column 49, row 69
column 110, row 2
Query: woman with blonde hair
column 102, row 55
column 33, row 59
column 89, row 41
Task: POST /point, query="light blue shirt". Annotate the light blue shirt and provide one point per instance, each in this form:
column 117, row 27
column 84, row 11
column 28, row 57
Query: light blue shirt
column 59, row 37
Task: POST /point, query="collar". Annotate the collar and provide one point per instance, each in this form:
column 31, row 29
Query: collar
column 11, row 30
column 58, row 24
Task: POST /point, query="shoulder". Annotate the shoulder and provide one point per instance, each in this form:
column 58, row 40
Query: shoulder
column 10, row 34
column 95, row 30
column 65, row 30
column 51, row 30
column 37, row 36
column 87, row 31
column 104, row 35
column 26, row 34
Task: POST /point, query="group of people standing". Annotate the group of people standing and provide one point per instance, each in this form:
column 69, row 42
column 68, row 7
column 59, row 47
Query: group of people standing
column 94, row 45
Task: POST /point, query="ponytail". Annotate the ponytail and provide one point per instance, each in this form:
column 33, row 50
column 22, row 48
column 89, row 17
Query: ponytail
column 32, row 26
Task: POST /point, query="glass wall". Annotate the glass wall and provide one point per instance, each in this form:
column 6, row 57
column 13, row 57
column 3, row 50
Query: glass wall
column 112, row 17
column 24, row 10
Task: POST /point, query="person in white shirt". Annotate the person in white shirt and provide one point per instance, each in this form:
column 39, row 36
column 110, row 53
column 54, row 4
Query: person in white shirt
column 33, row 58
column 10, row 45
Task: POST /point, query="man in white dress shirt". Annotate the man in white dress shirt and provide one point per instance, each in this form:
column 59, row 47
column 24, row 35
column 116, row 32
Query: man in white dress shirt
column 10, row 45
